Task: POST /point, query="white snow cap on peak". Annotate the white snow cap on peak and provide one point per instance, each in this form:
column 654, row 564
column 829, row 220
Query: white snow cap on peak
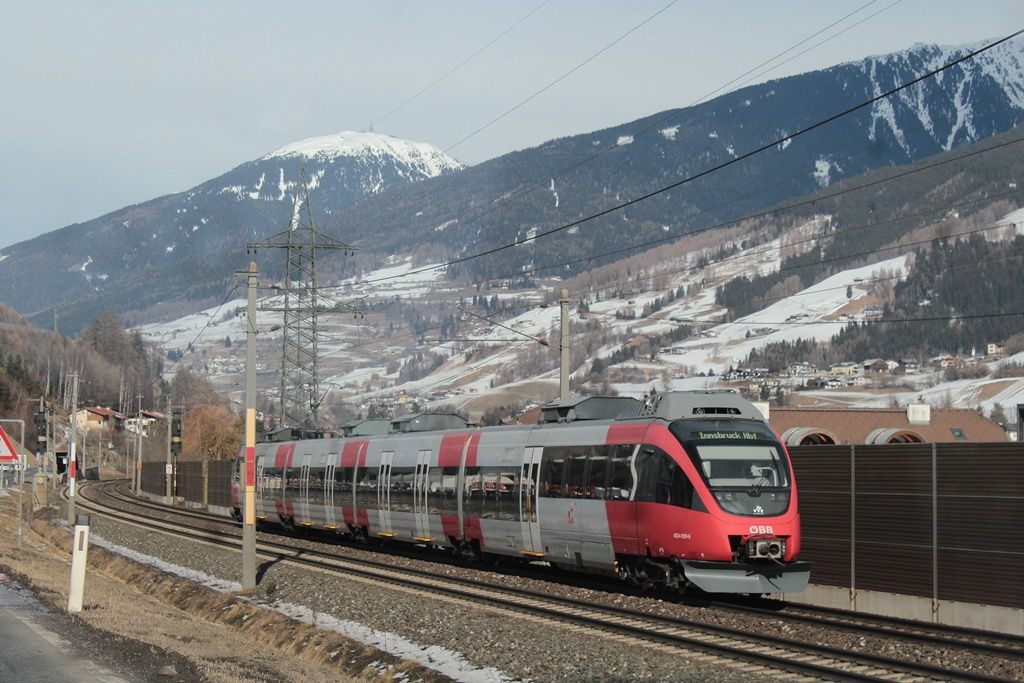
column 350, row 143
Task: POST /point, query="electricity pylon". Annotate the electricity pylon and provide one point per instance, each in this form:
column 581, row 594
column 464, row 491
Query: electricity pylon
column 302, row 304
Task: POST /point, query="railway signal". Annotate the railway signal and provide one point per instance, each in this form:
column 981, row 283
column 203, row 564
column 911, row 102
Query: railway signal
column 176, row 431
column 41, row 424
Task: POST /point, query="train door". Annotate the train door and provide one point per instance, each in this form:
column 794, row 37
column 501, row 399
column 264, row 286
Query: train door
column 330, row 519
column 303, row 513
column 420, row 490
column 384, row 493
column 528, row 501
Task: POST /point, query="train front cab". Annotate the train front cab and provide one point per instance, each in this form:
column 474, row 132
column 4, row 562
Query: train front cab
column 716, row 502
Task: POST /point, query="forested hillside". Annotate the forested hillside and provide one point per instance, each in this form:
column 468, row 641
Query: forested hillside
column 877, row 215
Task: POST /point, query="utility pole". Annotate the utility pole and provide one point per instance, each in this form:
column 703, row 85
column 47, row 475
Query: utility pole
column 563, row 389
column 248, row 479
column 72, row 455
column 137, row 477
column 169, row 470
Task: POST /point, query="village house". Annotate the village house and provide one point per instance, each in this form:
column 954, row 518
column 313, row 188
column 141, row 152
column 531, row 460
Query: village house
column 996, row 350
column 875, row 366
column 910, row 366
column 88, row 419
column 844, row 369
column 801, row 369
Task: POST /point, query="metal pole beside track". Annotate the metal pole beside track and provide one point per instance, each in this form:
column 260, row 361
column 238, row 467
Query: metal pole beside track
column 249, row 474
column 563, row 384
column 169, row 469
column 72, row 454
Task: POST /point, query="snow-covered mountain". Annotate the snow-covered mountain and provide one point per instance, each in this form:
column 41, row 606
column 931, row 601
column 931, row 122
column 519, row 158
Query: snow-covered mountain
column 697, row 167
column 345, row 167
column 178, row 252
column 177, row 248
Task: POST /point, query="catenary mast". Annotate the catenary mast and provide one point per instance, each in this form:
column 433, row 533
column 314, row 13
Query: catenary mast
column 302, row 304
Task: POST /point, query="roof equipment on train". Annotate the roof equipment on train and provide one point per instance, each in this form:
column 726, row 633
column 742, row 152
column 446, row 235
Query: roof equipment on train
column 585, row 408
column 428, row 422
column 690, row 405
column 368, row 427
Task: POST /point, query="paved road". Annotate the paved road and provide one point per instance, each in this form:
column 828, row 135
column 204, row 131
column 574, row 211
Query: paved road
column 31, row 653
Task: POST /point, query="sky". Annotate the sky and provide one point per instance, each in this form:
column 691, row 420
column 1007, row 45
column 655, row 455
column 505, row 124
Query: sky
column 107, row 103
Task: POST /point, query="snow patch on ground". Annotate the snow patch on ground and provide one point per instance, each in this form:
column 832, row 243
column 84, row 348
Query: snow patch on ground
column 436, row 658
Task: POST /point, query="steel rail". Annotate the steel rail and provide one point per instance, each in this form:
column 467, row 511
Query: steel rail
column 762, row 650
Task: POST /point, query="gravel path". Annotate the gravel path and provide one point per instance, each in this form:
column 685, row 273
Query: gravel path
column 497, row 646
column 472, row 643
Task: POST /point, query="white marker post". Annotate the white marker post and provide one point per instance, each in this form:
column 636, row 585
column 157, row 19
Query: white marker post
column 79, row 554
column 72, row 462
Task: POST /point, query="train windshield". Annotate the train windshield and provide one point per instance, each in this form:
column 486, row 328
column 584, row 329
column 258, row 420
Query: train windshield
column 741, row 462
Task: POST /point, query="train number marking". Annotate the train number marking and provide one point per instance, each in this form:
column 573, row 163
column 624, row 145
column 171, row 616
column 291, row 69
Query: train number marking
column 684, row 537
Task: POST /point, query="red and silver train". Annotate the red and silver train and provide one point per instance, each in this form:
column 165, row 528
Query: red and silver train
column 680, row 489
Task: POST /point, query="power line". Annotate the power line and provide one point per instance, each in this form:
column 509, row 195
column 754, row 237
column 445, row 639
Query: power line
column 466, row 61
column 723, row 165
column 532, row 187
column 563, row 76
column 776, row 211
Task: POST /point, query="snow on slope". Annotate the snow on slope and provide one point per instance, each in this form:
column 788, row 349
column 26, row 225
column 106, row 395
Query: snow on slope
column 428, row 158
column 818, row 312
column 809, row 314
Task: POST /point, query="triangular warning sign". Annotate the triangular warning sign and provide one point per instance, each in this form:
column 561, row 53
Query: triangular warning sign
column 7, row 453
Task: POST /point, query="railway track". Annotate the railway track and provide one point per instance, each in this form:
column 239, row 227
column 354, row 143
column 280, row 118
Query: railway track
column 754, row 652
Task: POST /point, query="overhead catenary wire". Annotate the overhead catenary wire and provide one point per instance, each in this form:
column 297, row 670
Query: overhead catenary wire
column 464, row 61
column 735, row 160
column 475, row 213
column 749, row 153
column 847, row 189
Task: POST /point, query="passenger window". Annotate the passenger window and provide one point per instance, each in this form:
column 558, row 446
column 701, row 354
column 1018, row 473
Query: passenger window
column 554, row 467
column 661, row 479
column 620, row 483
column 597, row 478
column 575, row 478
column 366, row 487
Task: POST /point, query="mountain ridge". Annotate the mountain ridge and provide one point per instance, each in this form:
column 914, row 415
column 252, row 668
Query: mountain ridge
column 187, row 241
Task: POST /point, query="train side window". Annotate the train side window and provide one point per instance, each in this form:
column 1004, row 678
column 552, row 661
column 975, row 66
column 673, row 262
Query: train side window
column 400, row 485
column 674, row 487
column 343, row 479
column 473, row 493
column 272, row 481
column 576, row 473
column 445, row 499
column 366, row 487
column 597, row 472
column 648, row 464
column 499, row 499
column 620, row 482
column 553, row 473
column 661, row 479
